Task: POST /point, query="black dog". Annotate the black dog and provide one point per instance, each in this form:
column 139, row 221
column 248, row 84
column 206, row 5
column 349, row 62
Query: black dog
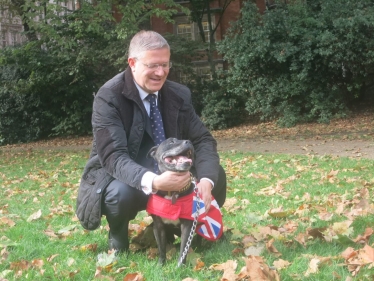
column 172, row 155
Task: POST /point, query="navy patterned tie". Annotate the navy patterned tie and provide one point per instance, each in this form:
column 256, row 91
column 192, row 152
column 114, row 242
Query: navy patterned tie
column 156, row 123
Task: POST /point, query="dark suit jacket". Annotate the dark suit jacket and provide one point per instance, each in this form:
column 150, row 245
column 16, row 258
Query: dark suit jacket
column 121, row 140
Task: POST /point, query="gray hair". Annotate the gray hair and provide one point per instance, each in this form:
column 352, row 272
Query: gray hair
column 146, row 40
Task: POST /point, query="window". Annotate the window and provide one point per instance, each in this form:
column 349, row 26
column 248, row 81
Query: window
column 13, row 38
column 204, row 72
column 185, row 30
column 184, row 27
column 206, row 31
column 3, row 38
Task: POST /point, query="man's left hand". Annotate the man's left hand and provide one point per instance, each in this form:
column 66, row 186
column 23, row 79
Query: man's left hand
column 205, row 192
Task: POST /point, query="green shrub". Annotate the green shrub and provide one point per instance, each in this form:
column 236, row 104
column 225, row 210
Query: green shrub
column 305, row 61
column 222, row 108
column 38, row 96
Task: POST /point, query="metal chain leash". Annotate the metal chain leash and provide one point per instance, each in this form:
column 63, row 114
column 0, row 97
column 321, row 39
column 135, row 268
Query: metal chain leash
column 189, row 240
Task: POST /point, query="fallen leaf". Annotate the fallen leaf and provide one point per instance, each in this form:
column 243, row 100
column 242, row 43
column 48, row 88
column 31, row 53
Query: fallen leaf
column 281, row 264
column 258, row 270
column 364, row 238
column 134, row 277
column 35, row 216
column 7, row 221
column 67, row 229
column 255, row 250
column 105, row 260
column 271, row 248
column 312, row 267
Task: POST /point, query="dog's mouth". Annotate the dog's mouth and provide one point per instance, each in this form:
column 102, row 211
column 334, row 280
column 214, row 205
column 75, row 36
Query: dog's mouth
column 181, row 159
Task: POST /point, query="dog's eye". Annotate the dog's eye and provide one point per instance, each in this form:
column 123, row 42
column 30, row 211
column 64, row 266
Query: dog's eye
column 171, row 141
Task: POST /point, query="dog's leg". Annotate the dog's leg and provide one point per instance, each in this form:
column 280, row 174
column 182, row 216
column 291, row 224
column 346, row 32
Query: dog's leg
column 186, row 226
column 159, row 232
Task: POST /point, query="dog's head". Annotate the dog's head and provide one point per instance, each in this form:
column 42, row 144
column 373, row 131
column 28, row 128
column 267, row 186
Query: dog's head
column 173, row 155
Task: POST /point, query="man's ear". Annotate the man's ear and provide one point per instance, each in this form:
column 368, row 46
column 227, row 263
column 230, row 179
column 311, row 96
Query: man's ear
column 152, row 152
column 131, row 62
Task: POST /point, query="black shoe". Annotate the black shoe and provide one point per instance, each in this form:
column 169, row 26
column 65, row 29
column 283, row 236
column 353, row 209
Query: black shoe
column 120, row 244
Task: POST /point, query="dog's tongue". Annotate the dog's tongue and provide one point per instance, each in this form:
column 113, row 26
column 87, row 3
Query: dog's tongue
column 177, row 159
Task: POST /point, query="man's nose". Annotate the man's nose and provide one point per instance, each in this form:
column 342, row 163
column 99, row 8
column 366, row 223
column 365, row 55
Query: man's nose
column 160, row 70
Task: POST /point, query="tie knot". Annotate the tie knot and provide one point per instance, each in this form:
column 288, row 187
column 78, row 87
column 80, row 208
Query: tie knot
column 151, row 97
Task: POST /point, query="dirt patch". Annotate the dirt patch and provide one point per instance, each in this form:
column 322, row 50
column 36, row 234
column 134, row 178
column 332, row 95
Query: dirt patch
column 353, row 137
column 344, row 148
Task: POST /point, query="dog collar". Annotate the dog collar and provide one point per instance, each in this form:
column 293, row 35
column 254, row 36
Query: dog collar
column 185, row 188
column 187, row 185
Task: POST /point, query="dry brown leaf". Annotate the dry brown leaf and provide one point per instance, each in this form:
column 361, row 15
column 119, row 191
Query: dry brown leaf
column 349, row 253
column 301, row 238
column 271, row 248
column 313, row 267
column 4, row 254
column 73, row 273
column 237, row 252
column 228, row 269
column 20, row 265
column 199, row 264
column 254, row 250
column 152, row 253
column 228, row 265
column 367, row 255
column 316, row 232
column 343, row 228
column 7, row 221
column 50, row 258
column 279, row 213
column 291, row 226
column 258, row 270
column 325, row 216
column 357, row 259
column 281, row 264
column 89, row 247
column 121, row 269
column 35, row 216
column 364, row 238
column 98, row 275
column 50, row 233
column 231, row 204
column 248, row 240
column 37, row 263
column 134, row 277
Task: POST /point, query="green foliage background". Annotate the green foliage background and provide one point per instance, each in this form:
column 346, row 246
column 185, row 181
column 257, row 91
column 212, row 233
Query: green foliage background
column 48, row 83
column 305, row 61
column 301, row 62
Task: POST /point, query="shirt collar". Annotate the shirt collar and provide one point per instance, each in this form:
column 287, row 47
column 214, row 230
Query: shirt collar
column 143, row 94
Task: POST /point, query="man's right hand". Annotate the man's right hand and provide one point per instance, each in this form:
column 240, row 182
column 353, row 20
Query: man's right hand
column 171, row 181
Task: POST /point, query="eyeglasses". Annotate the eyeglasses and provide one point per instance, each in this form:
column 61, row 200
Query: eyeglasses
column 155, row 66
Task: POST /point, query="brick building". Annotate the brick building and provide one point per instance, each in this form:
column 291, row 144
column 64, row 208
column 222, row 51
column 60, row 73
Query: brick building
column 184, row 27
column 11, row 27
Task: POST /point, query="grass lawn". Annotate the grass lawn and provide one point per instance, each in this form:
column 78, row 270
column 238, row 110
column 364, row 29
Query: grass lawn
column 286, row 218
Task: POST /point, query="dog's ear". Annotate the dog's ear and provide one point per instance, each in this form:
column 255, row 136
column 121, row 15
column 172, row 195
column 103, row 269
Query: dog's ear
column 151, row 153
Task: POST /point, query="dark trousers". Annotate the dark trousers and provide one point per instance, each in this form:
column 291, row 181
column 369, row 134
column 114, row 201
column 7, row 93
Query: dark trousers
column 121, row 203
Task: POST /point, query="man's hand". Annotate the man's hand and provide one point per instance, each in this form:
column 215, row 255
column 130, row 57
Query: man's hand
column 205, row 191
column 171, row 181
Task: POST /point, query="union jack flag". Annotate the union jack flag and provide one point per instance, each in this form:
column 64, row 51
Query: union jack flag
column 209, row 224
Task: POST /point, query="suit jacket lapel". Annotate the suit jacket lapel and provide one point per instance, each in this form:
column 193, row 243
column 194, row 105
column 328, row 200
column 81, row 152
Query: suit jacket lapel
column 132, row 92
column 170, row 104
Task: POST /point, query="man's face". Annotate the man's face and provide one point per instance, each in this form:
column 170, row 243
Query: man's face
column 150, row 80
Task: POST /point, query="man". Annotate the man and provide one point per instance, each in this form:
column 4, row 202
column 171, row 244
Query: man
column 119, row 176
